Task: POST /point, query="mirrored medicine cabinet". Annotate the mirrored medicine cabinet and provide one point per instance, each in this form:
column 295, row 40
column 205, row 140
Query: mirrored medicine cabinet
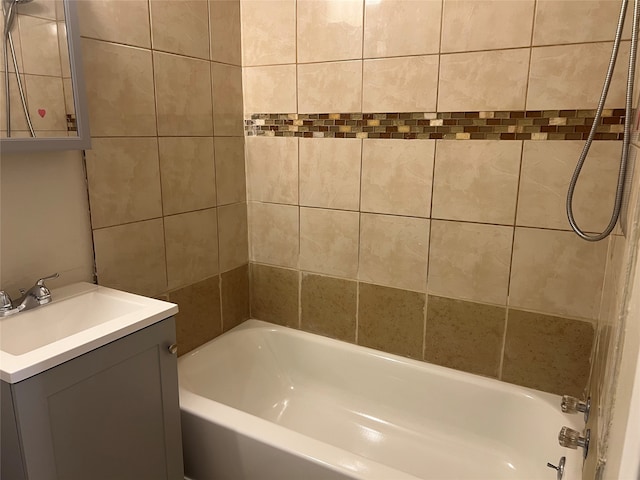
column 42, row 103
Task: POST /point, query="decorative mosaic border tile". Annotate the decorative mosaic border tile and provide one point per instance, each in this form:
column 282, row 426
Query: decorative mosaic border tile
column 72, row 124
column 499, row 125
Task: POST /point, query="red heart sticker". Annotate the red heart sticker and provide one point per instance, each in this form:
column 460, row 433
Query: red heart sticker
column 42, row 112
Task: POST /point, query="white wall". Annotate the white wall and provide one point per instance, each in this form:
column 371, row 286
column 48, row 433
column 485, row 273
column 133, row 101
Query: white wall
column 44, row 220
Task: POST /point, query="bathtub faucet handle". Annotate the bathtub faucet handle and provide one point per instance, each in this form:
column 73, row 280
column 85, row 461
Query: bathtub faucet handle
column 572, row 439
column 571, row 404
column 559, row 469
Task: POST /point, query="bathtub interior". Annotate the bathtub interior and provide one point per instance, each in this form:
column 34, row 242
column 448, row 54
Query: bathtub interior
column 418, row 418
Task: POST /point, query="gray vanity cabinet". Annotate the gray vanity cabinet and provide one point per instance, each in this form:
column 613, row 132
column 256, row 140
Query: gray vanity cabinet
column 110, row 414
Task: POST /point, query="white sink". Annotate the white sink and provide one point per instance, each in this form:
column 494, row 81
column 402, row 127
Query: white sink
column 80, row 318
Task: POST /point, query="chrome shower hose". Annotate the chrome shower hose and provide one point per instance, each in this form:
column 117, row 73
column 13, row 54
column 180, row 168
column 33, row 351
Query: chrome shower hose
column 627, row 127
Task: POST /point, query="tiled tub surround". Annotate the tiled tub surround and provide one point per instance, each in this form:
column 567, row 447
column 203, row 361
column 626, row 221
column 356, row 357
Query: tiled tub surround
column 166, row 172
column 474, row 232
column 490, row 125
column 489, row 340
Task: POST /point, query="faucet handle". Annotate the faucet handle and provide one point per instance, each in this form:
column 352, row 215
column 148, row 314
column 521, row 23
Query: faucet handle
column 40, row 291
column 40, row 282
column 571, row 404
column 5, row 301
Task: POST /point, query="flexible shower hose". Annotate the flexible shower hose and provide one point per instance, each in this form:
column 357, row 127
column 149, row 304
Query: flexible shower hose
column 9, row 16
column 627, row 128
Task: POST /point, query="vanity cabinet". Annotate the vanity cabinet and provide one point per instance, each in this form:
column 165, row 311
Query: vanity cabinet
column 109, row 414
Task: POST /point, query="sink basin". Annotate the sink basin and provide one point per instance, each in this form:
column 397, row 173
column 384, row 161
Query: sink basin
column 81, row 317
column 34, row 328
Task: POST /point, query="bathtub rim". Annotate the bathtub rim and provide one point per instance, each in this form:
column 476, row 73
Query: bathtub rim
column 439, row 370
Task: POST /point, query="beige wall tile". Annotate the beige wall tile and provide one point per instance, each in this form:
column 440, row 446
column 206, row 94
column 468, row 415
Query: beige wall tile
column 227, row 100
column 125, row 107
column 470, row 261
column 124, row 21
column 63, row 45
column 17, row 46
column 464, row 335
column 43, row 8
column 557, row 273
column 131, row 257
column 571, row 76
column 39, row 42
column 124, row 180
column 330, row 87
column 547, row 353
column 192, row 246
column 18, row 121
column 397, row 177
column 494, row 80
column 224, row 22
column 234, row 296
column 180, row 26
column 274, row 295
column 328, row 306
column 45, row 93
column 329, row 241
column 401, row 27
column 559, row 21
column 69, row 105
column 329, row 30
column 407, row 84
column 469, row 25
column 330, row 173
column 188, row 174
column 273, row 234
column 230, row 174
column 613, row 283
column 391, row 320
column 632, row 187
column 270, row 89
column 233, row 236
column 199, row 318
column 183, row 95
column 476, row 181
column 268, row 32
column 547, row 168
column 393, row 251
column 272, row 169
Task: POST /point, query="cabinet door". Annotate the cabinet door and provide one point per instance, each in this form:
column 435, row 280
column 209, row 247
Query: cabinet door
column 110, row 414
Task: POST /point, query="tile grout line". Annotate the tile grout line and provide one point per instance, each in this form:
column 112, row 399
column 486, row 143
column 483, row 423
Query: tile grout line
column 354, row 59
column 533, row 26
column 433, row 179
column 357, row 325
column 215, row 172
column 299, row 206
column 157, row 143
column 513, row 241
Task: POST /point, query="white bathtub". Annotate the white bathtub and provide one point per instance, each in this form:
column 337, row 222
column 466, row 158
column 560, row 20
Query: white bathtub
column 267, row 402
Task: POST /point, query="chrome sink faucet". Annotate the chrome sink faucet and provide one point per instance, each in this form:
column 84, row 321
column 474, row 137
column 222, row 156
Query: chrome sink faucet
column 37, row 295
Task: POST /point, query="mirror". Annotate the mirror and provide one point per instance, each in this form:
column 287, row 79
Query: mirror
column 45, row 108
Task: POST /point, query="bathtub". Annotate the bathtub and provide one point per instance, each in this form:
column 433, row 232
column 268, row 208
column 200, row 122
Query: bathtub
column 268, row 402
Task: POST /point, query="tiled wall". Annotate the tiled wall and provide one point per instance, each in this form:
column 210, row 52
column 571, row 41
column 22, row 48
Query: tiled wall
column 453, row 251
column 615, row 321
column 166, row 168
column 40, row 41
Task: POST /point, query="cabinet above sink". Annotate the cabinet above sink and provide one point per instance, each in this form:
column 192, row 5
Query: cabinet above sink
column 80, row 318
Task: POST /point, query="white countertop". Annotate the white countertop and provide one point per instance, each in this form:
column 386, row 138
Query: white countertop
column 81, row 318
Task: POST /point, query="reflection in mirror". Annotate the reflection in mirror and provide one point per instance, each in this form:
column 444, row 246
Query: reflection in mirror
column 37, row 84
